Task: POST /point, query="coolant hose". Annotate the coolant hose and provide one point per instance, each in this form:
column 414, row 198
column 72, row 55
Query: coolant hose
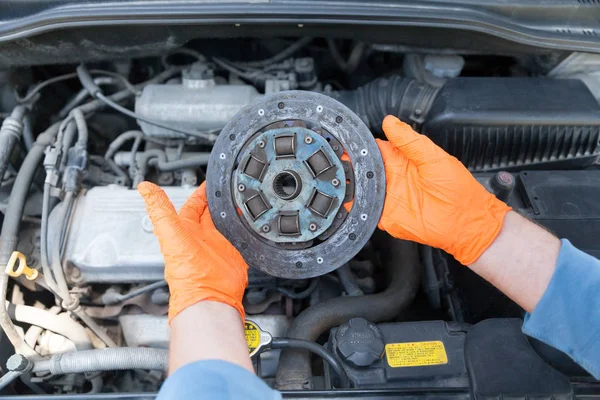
column 401, row 260
column 10, row 229
column 406, row 98
column 348, row 281
column 10, row 133
column 326, row 355
column 61, row 324
column 113, row 359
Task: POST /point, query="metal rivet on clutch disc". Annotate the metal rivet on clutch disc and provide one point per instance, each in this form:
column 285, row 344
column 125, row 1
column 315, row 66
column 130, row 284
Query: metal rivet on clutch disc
column 290, row 218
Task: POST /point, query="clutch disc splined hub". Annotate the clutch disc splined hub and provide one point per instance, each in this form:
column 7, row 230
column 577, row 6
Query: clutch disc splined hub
column 283, row 174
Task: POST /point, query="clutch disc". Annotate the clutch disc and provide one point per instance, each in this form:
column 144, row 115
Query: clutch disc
column 296, row 183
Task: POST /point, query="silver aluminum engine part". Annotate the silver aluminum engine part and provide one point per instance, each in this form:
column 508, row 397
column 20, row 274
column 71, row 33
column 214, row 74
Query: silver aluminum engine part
column 143, row 330
column 198, row 103
column 110, row 237
column 264, row 168
column 140, row 330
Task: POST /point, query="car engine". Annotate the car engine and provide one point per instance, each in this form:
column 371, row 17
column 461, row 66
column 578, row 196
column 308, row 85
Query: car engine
column 283, row 131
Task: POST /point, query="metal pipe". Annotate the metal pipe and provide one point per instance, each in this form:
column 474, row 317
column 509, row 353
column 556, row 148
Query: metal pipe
column 143, row 159
column 112, row 298
column 94, row 327
column 9, row 377
column 401, row 261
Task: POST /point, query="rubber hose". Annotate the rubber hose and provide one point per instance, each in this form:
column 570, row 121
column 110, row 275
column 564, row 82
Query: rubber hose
column 406, row 98
column 330, row 358
column 61, row 324
column 10, row 134
column 18, row 196
column 120, row 140
column 20, row 190
column 28, row 131
column 44, row 239
column 124, row 94
column 401, row 260
column 302, row 294
column 10, row 230
column 67, row 142
column 82, row 128
column 348, row 281
column 57, row 242
column 113, row 359
column 34, row 331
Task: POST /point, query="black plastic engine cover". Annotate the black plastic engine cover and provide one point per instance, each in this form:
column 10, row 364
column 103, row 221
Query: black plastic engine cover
column 495, row 124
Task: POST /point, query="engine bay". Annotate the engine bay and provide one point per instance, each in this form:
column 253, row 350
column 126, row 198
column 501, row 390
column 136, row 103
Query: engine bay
column 283, row 131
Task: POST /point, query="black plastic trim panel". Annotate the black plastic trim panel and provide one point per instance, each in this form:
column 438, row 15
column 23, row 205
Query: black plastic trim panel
column 554, row 24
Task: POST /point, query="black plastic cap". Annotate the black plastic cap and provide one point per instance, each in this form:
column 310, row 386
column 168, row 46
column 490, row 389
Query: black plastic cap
column 502, row 185
column 359, row 342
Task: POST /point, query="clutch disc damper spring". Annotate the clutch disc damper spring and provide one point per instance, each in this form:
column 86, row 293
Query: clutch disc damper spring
column 296, row 183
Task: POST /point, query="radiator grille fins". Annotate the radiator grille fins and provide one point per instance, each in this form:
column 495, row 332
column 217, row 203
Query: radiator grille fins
column 492, row 148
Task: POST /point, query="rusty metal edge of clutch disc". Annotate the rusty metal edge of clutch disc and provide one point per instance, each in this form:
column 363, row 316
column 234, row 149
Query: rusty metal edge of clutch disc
column 369, row 193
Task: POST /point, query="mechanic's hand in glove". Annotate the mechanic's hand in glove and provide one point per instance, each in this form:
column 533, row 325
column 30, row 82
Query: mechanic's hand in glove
column 431, row 198
column 200, row 264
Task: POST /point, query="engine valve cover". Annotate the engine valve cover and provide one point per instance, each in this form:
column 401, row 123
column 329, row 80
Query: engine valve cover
column 283, row 174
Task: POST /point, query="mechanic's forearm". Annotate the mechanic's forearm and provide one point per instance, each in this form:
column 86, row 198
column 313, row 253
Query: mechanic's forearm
column 208, row 331
column 521, row 261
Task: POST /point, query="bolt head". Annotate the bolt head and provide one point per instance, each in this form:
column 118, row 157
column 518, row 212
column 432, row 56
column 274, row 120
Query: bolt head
column 261, row 144
column 312, row 227
column 308, row 140
column 335, row 182
column 266, row 228
column 17, row 362
column 241, row 187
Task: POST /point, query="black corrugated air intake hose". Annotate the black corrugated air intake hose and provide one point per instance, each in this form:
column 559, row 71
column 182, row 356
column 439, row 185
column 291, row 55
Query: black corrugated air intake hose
column 405, row 98
column 401, row 262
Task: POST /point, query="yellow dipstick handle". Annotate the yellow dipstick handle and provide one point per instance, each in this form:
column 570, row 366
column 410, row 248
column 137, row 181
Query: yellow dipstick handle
column 18, row 259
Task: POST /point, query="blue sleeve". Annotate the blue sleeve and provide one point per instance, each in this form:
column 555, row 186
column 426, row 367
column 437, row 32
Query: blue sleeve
column 215, row 380
column 567, row 316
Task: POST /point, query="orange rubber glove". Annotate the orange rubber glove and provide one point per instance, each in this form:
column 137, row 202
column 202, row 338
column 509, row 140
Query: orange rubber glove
column 431, row 198
column 200, row 264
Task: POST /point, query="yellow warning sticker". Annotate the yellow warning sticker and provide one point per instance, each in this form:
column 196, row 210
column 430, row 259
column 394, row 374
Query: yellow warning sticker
column 415, row 354
column 252, row 336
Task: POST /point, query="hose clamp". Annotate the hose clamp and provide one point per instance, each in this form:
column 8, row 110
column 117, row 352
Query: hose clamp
column 70, row 304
